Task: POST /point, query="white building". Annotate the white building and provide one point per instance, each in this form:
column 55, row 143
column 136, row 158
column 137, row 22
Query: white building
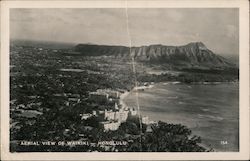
column 116, row 106
column 121, row 115
column 100, row 112
column 132, row 112
column 94, row 113
column 109, row 115
column 149, row 129
column 111, row 93
column 85, row 116
column 110, row 125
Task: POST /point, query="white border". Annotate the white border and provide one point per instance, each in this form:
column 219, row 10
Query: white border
column 243, row 6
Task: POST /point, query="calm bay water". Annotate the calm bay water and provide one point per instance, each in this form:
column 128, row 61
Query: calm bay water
column 210, row 111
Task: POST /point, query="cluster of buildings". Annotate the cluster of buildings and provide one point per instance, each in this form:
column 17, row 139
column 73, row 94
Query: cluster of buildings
column 113, row 118
column 104, row 95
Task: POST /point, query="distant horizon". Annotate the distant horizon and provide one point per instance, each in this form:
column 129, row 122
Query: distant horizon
column 232, row 57
column 217, row 28
column 92, row 43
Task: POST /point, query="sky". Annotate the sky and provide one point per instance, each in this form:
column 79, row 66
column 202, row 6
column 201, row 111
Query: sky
column 217, row 28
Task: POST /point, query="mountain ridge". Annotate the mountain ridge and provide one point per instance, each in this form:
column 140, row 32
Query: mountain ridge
column 190, row 55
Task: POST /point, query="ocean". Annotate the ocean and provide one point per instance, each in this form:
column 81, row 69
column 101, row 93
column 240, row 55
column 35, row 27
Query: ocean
column 210, row 111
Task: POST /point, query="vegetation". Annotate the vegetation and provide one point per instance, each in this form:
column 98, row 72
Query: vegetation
column 163, row 138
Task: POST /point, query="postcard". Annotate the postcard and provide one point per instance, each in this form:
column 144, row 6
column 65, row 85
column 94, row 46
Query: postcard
column 125, row 80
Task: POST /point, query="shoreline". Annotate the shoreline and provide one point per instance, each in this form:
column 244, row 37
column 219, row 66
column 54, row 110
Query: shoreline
column 124, row 105
column 207, row 146
column 121, row 99
column 134, row 89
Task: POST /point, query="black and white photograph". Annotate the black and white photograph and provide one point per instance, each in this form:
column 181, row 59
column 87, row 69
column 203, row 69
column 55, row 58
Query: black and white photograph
column 126, row 79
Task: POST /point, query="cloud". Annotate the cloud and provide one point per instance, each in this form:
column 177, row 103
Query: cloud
column 217, row 28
